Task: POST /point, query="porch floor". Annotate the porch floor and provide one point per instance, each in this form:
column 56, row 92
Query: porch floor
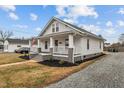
column 59, row 55
column 44, row 54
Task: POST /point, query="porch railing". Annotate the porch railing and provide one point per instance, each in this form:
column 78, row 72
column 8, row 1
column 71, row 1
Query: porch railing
column 56, row 49
column 64, row 50
column 60, row 49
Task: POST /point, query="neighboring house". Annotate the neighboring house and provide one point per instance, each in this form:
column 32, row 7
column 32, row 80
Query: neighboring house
column 60, row 40
column 107, row 44
column 115, row 47
column 1, row 46
column 11, row 44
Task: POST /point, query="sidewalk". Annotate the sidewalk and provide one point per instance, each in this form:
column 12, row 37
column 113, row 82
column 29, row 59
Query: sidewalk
column 17, row 63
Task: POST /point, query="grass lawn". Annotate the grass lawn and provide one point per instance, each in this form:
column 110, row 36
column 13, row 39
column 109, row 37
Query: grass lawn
column 36, row 74
column 6, row 58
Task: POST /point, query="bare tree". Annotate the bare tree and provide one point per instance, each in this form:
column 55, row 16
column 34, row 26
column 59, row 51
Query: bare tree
column 121, row 39
column 4, row 35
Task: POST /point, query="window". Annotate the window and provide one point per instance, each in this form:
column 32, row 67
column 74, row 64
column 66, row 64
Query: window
column 66, row 42
column 57, row 27
column 100, row 45
column 46, row 46
column 87, row 44
column 53, row 27
column 1, row 47
column 18, row 45
column 66, row 26
column 60, row 42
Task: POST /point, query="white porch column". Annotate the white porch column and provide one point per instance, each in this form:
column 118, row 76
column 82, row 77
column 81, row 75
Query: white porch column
column 71, row 41
column 30, row 49
column 38, row 42
column 71, row 48
column 39, row 45
column 51, row 42
column 51, row 45
column 29, row 43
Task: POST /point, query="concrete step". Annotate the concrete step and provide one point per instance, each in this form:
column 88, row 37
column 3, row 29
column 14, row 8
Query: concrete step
column 37, row 58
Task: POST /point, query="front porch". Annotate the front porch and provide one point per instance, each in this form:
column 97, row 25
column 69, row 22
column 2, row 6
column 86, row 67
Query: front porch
column 58, row 47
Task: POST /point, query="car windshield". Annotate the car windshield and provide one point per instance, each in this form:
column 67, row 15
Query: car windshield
column 24, row 48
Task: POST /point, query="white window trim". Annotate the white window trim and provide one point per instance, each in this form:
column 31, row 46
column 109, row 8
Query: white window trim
column 55, row 25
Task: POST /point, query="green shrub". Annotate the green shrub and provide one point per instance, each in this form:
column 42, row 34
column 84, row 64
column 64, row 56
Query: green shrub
column 51, row 59
column 61, row 62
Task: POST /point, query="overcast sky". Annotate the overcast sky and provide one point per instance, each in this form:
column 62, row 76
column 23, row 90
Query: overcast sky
column 28, row 21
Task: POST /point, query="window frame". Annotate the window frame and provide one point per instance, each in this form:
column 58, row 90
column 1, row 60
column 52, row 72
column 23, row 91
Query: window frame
column 18, row 45
column 53, row 28
column 66, row 42
column 88, row 44
column 57, row 27
column 100, row 45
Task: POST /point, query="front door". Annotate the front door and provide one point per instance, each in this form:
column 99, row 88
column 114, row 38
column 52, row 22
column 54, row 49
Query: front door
column 56, row 43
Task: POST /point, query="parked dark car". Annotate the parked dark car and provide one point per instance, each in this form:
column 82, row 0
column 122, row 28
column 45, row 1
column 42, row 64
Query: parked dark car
column 22, row 50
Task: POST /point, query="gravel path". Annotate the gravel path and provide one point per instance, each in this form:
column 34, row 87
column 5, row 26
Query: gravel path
column 106, row 72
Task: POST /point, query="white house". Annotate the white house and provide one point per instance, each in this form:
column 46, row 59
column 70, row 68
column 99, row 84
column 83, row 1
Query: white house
column 11, row 45
column 60, row 40
column 1, row 46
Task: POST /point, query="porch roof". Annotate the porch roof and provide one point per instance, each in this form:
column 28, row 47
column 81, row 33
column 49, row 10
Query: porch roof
column 58, row 33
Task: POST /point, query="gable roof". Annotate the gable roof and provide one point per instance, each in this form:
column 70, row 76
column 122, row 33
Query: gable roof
column 18, row 41
column 71, row 26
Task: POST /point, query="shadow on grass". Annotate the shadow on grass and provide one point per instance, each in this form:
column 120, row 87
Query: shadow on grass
column 26, row 57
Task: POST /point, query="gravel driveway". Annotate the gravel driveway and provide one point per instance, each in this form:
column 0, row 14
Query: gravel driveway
column 106, row 72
